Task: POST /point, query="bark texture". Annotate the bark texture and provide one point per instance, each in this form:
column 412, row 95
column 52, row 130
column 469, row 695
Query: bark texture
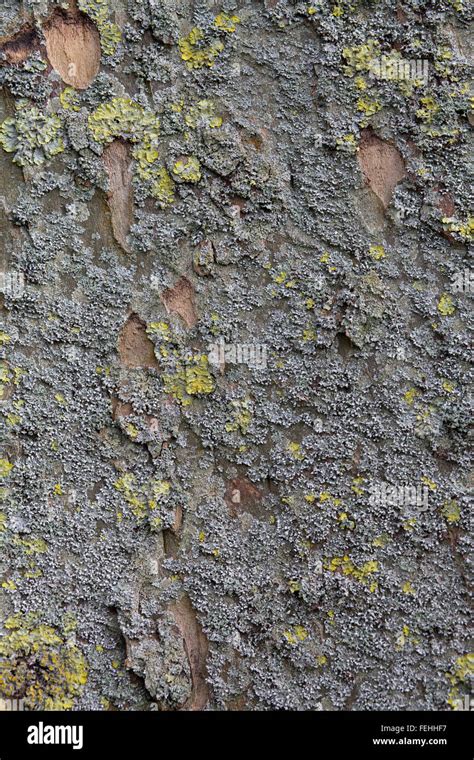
column 234, row 354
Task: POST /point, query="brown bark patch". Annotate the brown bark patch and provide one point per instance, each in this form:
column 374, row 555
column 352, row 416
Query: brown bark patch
column 381, row 164
column 180, row 300
column 118, row 166
column 401, row 15
column 446, row 204
column 196, row 647
column 73, row 48
column 178, row 520
column 20, row 46
column 120, row 408
column 242, row 495
column 134, row 346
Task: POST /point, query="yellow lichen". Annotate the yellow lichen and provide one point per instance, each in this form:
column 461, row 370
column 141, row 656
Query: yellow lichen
column 126, row 119
column 448, row 386
column 123, row 117
column 40, row 664
column 405, row 637
column 191, row 379
column 381, row 541
column 69, row 99
column 294, row 586
column 131, row 430
column 361, row 57
column 198, row 379
column 410, row 395
column 295, row 450
column 465, row 230
column 345, row 522
column 99, row 11
column 5, row 468
column 194, row 51
column 356, row 485
column 159, row 328
column 326, row 496
column 187, row 169
column 460, row 672
column 377, row 252
column 241, row 417
column 428, row 110
column 451, row 512
column 347, row 567
column 226, row 23
column 127, row 485
column 445, row 305
column 296, row 634
column 30, row 546
column 143, row 500
column 347, row 143
column 368, row 107
column 428, row 482
column 158, row 489
column 309, row 335
column 162, row 187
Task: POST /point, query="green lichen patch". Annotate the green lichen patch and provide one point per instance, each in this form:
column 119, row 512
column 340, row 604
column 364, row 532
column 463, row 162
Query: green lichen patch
column 145, row 501
column 5, row 468
column 462, row 670
column 32, row 136
column 362, row 573
column 226, row 22
column 40, row 664
column 191, row 378
column 126, row 119
column 99, row 11
column 196, row 52
column 187, row 169
column 69, row 99
column 203, row 114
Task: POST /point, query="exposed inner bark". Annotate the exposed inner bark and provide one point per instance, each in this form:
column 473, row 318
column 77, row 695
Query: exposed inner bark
column 135, row 347
column 73, row 47
column 180, row 300
column 196, row 647
column 118, row 166
column 21, row 45
column 382, row 165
